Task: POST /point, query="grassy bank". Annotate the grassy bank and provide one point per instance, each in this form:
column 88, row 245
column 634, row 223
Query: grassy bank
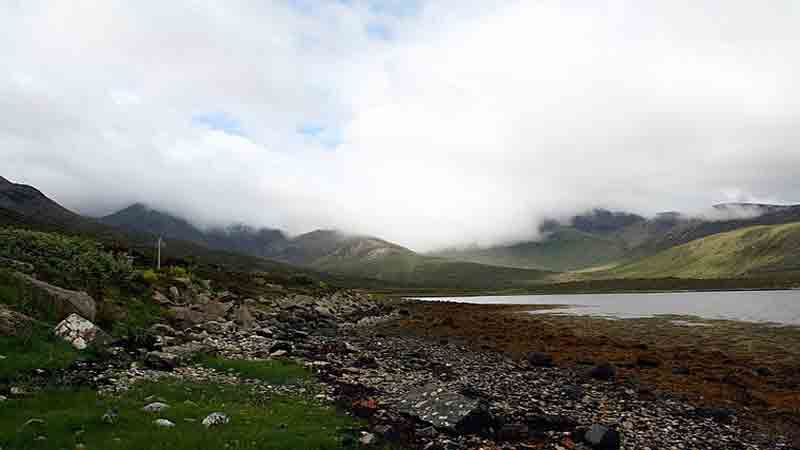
column 69, row 418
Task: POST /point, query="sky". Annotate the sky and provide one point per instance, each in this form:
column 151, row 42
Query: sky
column 427, row 123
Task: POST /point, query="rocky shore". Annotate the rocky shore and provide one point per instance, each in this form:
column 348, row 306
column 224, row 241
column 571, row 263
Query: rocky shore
column 422, row 390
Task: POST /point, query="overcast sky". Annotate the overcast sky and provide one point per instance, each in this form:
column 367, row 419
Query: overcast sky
column 428, row 123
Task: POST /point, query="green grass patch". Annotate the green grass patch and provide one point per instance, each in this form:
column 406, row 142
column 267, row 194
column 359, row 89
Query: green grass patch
column 36, row 348
column 74, row 417
column 272, row 371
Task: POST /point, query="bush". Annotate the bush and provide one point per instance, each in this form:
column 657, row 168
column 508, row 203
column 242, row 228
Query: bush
column 150, row 276
column 71, row 262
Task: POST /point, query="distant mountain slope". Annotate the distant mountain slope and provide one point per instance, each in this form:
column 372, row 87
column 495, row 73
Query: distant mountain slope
column 595, row 238
column 731, row 216
column 751, row 251
column 328, row 251
column 30, row 202
column 564, row 249
column 24, row 206
column 235, row 238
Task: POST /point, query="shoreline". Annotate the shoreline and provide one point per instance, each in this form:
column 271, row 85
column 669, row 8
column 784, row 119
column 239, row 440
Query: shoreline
column 739, row 365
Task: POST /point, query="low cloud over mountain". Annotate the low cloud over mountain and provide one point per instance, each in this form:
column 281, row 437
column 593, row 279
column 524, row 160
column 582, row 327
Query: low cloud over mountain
column 430, row 123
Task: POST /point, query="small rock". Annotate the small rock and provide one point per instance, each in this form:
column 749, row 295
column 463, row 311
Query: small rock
column 155, row 407
column 164, row 423
column 215, row 419
column 278, row 354
column 111, row 416
column 368, row 439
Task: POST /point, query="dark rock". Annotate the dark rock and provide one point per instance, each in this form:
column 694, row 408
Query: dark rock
column 603, row 371
column 513, row 432
column 722, row 415
column 281, row 345
column 539, row 359
column 648, row 361
column 603, row 438
column 446, row 409
column 681, row 370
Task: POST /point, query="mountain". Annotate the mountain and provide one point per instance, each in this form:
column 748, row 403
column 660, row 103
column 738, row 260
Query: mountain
column 328, row 251
column 28, row 201
column 23, row 206
column 235, row 238
column 725, row 217
column 595, row 238
column 762, row 250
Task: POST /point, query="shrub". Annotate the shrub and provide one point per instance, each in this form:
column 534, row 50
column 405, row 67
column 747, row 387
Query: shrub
column 150, row 276
column 68, row 261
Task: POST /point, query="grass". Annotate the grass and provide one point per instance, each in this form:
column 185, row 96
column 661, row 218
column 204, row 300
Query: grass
column 749, row 251
column 271, row 371
column 73, row 417
column 35, row 349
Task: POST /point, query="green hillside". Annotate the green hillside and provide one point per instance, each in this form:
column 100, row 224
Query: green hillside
column 564, row 249
column 753, row 251
column 409, row 268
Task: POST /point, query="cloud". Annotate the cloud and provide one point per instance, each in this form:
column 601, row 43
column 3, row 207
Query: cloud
column 427, row 123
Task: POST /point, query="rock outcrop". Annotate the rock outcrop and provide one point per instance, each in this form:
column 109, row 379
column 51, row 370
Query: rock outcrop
column 59, row 301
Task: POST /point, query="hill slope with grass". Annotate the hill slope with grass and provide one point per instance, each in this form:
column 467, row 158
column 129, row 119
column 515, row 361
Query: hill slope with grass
column 763, row 250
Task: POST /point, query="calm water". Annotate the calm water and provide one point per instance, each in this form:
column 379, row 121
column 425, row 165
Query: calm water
column 782, row 307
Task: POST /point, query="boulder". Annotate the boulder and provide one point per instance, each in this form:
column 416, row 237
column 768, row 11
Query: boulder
column 603, row 371
column 244, row 318
column 161, row 299
column 446, row 409
column 539, row 359
column 602, row 438
column 81, row 333
column 12, row 322
column 62, row 302
column 186, row 317
column 215, row 419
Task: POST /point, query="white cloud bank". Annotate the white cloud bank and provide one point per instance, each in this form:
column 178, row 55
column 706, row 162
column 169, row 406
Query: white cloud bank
column 442, row 123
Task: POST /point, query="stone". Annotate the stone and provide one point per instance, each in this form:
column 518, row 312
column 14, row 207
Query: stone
column 278, row 354
column 164, row 423
column 603, row 371
column 215, row 419
column 62, row 302
column 244, row 318
column 164, row 330
column 81, row 333
column 174, row 293
column 722, row 415
column 161, row 299
column 155, row 407
column 602, row 438
column 539, row 359
column 186, row 317
column 162, row 360
column 368, row 439
column 281, row 345
column 111, row 416
column 445, row 409
column 12, row 322
column 365, row 408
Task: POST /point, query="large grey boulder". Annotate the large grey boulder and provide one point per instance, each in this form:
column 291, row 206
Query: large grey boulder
column 445, row 409
column 62, row 302
column 80, row 333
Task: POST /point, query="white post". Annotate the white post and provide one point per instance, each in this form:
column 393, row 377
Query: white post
column 158, row 265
